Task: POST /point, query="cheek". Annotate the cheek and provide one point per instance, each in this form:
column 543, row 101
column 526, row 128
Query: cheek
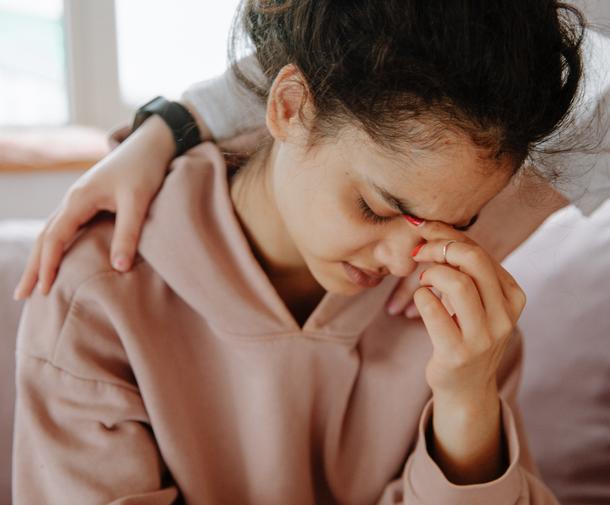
column 324, row 223
column 319, row 208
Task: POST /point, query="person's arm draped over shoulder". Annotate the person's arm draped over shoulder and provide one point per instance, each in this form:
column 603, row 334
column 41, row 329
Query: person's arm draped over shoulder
column 82, row 433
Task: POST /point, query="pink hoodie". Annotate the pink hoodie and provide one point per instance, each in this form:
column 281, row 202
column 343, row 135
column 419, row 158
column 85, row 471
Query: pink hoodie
column 187, row 380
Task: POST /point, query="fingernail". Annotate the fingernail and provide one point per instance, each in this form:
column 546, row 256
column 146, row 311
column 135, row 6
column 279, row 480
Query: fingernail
column 411, row 312
column 414, row 220
column 393, row 308
column 120, row 262
column 417, row 248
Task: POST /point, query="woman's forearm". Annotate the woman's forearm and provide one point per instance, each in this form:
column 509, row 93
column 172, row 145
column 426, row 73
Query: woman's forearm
column 154, row 136
column 466, row 440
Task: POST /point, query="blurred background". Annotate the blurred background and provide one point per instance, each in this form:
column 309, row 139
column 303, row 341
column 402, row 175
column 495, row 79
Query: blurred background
column 72, row 69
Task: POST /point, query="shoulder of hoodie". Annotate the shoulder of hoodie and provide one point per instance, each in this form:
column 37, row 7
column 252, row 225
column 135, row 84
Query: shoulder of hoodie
column 88, row 257
column 86, row 286
column 76, row 294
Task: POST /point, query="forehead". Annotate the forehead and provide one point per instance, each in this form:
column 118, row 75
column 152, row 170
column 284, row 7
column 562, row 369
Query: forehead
column 449, row 183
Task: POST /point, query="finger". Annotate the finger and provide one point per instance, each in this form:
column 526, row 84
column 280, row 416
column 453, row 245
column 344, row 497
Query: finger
column 470, row 259
column 29, row 277
column 130, row 216
column 411, row 311
column 436, row 230
column 513, row 293
column 399, row 300
column 402, row 294
column 60, row 234
column 444, row 333
column 464, row 298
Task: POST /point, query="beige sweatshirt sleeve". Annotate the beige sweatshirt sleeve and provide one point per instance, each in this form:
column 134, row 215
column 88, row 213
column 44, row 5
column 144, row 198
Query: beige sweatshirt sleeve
column 423, row 482
column 82, row 434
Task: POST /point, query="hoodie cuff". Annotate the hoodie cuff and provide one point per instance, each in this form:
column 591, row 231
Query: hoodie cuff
column 425, row 482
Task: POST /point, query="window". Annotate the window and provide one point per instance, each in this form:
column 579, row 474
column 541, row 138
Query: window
column 32, row 63
column 165, row 46
column 92, row 62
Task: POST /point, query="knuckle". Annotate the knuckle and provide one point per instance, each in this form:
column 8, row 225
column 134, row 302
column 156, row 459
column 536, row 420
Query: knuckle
column 521, row 298
column 460, row 358
column 42, row 235
column 433, row 227
column 136, row 195
column 74, row 196
column 504, row 326
column 53, row 237
column 475, row 255
column 462, row 285
column 423, row 301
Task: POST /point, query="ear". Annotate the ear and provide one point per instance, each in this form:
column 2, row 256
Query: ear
column 288, row 104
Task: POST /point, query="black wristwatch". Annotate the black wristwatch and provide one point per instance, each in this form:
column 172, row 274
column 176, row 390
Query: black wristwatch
column 177, row 117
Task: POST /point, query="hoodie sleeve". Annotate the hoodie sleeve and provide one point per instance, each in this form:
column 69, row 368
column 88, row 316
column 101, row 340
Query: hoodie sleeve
column 225, row 105
column 423, row 482
column 82, row 433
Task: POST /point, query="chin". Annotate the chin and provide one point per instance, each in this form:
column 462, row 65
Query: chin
column 346, row 289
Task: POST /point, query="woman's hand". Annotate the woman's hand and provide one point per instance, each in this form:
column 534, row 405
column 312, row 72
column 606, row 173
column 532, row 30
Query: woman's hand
column 470, row 326
column 124, row 182
column 487, row 301
column 510, row 211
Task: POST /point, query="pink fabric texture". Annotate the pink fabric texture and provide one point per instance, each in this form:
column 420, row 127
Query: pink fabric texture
column 188, row 380
column 565, row 270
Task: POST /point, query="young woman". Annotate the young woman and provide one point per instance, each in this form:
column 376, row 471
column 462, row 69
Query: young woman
column 247, row 357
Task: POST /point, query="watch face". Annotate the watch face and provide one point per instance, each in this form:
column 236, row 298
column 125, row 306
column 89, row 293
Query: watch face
column 154, row 106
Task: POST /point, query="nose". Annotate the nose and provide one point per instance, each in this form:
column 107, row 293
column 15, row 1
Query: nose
column 394, row 252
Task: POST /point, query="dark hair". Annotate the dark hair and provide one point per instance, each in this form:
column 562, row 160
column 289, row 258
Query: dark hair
column 505, row 72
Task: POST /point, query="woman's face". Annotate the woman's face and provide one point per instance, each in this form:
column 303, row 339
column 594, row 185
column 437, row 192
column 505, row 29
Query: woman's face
column 340, row 202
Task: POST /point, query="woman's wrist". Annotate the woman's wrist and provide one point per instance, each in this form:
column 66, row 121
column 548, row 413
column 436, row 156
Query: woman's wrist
column 156, row 136
column 466, row 439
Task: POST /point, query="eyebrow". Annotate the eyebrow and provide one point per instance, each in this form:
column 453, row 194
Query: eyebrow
column 401, row 206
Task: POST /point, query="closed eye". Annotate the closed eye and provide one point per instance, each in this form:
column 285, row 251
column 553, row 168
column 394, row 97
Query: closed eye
column 369, row 215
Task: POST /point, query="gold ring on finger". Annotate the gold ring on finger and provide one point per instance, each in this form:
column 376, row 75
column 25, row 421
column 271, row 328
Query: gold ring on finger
column 445, row 247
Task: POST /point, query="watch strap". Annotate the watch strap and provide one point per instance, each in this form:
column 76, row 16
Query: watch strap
column 180, row 121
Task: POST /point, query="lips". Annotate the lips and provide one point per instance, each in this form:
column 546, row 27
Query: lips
column 362, row 277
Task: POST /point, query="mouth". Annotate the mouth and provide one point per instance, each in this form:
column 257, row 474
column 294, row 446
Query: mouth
column 362, row 277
